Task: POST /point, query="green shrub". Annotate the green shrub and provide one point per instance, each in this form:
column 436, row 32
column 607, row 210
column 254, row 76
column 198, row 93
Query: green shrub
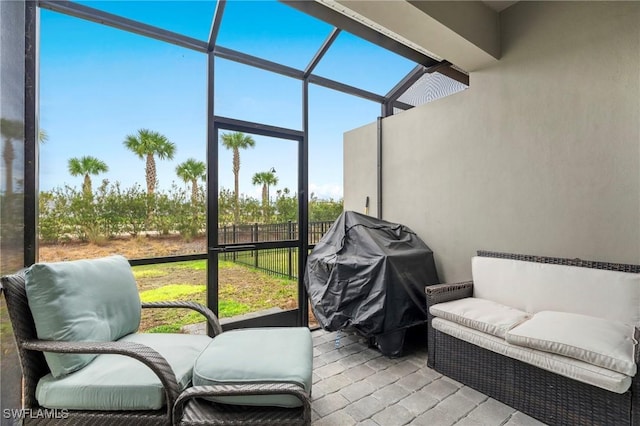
column 163, row 220
column 113, row 211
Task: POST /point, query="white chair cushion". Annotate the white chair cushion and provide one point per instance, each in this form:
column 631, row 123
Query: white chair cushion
column 567, row 367
column 480, row 314
column 601, row 342
column 535, row 287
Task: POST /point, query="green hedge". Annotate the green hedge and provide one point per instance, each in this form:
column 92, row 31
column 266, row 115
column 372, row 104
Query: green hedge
column 111, row 210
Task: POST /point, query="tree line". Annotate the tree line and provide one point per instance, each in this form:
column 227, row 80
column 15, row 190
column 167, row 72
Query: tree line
column 112, row 210
column 148, row 145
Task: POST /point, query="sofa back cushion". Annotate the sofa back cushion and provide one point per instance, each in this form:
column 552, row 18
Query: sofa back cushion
column 535, row 287
column 84, row 300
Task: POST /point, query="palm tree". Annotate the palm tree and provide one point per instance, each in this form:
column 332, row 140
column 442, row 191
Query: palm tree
column 11, row 129
column 148, row 144
column 85, row 166
column 190, row 171
column 43, row 136
column 236, row 141
column 266, row 179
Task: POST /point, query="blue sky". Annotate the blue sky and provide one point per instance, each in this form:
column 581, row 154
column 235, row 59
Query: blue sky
column 99, row 84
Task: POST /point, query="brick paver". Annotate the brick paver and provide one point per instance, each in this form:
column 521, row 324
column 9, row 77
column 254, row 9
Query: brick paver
column 356, row 385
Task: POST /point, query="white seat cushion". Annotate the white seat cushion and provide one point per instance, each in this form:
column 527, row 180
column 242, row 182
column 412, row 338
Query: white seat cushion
column 567, row 367
column 480, row 314
column 601, row 342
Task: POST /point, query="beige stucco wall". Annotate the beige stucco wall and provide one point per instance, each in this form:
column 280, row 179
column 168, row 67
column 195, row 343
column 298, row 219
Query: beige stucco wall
column 360, row 169
column 541, row 155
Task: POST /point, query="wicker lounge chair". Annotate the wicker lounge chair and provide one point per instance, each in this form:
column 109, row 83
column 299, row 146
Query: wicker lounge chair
column 182, row 402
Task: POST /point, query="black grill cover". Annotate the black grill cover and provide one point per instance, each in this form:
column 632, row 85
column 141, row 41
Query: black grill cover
column 369, row 274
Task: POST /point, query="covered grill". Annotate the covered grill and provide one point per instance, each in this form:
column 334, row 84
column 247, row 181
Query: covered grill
column 370, row 274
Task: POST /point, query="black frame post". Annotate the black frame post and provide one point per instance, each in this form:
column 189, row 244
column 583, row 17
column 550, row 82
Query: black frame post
column 212, row 201
column 303, row 206
column 379, row 166
column 212, row 166
column 31, row 134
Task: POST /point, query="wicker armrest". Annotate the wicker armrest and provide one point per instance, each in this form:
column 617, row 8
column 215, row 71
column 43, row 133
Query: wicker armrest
column 206, row 312
column 637, row 338
column 242, row 389
column 148, row 356
column 440, row 293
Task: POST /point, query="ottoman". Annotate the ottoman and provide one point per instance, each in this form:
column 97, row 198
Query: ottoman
column 259, row 376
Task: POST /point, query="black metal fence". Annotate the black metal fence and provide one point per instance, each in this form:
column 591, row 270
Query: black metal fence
column 279, row 261
column 254, row 233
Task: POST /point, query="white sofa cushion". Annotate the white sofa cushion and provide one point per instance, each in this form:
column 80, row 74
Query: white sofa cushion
column 535, row 287
column 605, row 343
column 567, row 367
column 483, row 315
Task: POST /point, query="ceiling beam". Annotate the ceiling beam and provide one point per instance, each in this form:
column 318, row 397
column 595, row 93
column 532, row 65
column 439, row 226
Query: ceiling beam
column 404, row 84
column 321, row 52
column 115, row 21
column 345, row 88
column 332, row 17
column 254, row 61
column 454, row 74
column 215, row 24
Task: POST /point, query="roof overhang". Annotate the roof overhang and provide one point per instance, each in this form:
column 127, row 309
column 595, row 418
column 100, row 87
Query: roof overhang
column 465, row 33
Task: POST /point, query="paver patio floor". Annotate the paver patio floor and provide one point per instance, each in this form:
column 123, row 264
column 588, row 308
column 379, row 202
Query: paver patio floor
column 354, row 384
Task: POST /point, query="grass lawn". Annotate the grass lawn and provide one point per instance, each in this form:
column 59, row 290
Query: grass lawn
column 241, row 290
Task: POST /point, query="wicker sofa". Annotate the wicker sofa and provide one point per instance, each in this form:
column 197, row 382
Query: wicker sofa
column 554, row 338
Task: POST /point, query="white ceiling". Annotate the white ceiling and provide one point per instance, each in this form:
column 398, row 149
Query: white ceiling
column 499, row 5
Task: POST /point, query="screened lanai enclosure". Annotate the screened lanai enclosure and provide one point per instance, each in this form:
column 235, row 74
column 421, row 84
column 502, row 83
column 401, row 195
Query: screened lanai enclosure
column 225, row 117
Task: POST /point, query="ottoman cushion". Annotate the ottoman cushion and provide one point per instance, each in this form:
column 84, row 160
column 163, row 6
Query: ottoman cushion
column 257, row 355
